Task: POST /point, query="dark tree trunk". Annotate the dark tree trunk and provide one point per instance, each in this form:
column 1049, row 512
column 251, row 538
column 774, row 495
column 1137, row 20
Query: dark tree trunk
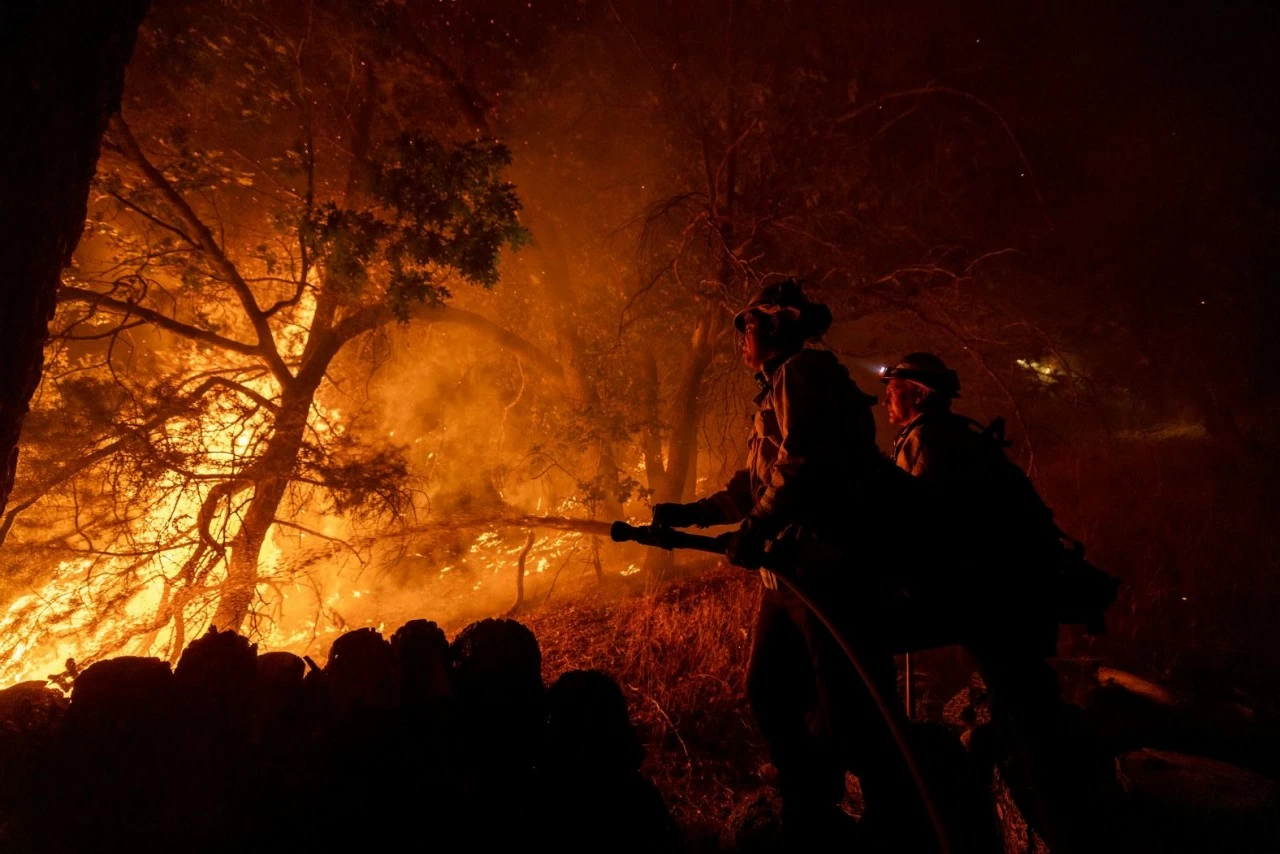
column 675, row 481
column 655, row 467
column 63, row 73
column 682, row 452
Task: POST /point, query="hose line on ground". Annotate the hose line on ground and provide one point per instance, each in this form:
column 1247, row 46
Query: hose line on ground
column 886, row 711
column 666, row 538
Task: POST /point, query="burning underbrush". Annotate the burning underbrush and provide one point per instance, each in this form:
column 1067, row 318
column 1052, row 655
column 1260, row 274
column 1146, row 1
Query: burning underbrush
column 236, row 746
column 315, row 582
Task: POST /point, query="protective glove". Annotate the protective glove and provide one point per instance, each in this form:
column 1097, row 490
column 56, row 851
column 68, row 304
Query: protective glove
column 746, row 546
column 677, row 515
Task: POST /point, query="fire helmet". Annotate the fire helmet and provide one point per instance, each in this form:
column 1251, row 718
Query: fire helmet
column 787, row 299
column 927, row 370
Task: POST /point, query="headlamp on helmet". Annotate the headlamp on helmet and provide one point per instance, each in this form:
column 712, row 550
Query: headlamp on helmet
column 927, row 370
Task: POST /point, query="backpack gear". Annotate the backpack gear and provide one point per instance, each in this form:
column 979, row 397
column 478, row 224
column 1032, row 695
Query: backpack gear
column 1013, row 516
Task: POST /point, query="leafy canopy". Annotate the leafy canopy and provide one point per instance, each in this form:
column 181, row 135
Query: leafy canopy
column 434, row 209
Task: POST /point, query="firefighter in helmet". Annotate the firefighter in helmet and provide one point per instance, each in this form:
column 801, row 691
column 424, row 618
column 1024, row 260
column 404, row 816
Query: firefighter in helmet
column 811, row 448
column 1010, row 630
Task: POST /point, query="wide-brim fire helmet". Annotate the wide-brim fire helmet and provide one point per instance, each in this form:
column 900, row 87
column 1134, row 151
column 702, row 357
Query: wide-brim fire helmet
column 785, row 301
column 927, row 370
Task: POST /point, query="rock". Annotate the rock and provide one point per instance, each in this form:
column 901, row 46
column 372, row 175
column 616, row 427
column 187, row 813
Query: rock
column 497, row 667
column 591, row 763
column 362, row 674
column 129, row 694
column 502, row 651
column 422, row 654
column 119, row 740
column 1126, row 712
column 218, row 661
column 214, row 681
column 588, row 728
column 29, row 710
column 280, row 668
column 498, row 671
column 30, row 717
column 280, row 718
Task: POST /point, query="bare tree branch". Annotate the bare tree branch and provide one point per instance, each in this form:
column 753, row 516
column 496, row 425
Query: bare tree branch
column 266, row 348
column 68, row 293
column 209, row 509
column 153, row 218
column 278, row 305
column 285, row 523
column 136, row 434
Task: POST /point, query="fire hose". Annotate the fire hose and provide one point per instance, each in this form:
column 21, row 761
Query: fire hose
column 667, row 538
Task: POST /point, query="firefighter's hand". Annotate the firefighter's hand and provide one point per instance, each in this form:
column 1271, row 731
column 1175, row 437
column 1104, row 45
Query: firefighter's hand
column 676, row 515
column 746, row 547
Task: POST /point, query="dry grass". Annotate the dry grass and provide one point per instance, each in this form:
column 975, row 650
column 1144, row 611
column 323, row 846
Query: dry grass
column 680, row 652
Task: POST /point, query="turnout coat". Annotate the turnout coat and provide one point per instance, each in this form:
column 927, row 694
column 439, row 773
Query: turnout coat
column 812, row 442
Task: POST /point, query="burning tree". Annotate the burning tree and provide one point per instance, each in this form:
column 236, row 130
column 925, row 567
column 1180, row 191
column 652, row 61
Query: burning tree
column 199, row 334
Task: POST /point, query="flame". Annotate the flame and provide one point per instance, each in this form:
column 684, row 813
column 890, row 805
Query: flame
column 91, row 608
column 308, row 590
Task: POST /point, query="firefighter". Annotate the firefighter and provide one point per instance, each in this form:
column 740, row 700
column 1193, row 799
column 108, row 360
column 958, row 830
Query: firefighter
column 1010, row 628
column 811, row 451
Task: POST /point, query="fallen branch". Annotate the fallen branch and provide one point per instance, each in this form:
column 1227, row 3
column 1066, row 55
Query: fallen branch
column 520, row 564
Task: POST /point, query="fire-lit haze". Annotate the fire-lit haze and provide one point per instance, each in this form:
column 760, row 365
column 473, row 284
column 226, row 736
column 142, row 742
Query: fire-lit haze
column 383, row 310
